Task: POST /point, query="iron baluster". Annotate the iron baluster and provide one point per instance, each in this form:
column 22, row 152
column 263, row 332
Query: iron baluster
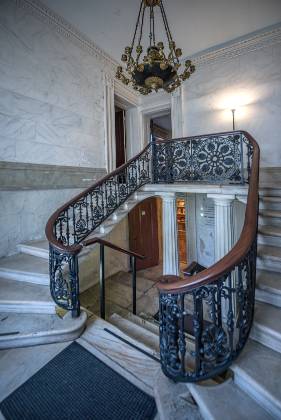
column 182, row 343
column 197, row 328
column 102, row 283
column 134, row 283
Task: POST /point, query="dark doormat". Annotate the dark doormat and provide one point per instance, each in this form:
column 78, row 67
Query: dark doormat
column 77, row 385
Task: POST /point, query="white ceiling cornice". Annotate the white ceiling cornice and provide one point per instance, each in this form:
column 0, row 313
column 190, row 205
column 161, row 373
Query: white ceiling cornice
column 48, row 16
column 243, row 45
column 39, row 10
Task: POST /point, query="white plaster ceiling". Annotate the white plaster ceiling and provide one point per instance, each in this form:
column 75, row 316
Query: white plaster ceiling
column 195, row 24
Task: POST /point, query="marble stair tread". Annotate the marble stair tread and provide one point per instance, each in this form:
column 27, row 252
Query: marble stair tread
column 267, row 326
column 271, row 199
column 137, row 332
column 270, row 213
column 269, row 230
column 21, row 330
column 25, row 298
column 257, row 371
column 133, row 360
column 144, row 323
column 226, row 400
column 24, row 267
column 269, row 252
column 269, row 281
column 269, row 190
column 39, row 248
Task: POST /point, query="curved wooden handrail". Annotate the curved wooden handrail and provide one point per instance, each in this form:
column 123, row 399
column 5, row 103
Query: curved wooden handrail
column 76, row 248
column 100, row 241
column 175, row 284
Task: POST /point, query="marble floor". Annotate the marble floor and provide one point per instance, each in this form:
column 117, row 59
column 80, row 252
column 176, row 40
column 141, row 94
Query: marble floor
column 118, row 293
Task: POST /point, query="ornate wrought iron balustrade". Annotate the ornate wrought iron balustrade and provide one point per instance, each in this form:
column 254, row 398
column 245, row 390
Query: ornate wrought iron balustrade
column 203, row 330
column 205, row 321
column 217, row 158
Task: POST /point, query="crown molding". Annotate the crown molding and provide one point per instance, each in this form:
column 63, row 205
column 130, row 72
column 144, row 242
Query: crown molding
column 48, row 16
column 251, row 42
column 132, row 97
column 37, row 9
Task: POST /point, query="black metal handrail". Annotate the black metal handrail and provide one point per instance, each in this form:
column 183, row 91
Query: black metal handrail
column 133, row 256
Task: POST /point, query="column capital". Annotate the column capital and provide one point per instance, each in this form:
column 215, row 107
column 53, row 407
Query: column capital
column 176, row 93
column 222, row 199
column 108, row 79
column 168, row 196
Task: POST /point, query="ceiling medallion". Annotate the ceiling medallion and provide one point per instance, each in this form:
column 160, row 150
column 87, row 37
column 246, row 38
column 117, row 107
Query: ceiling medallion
column 155, row 70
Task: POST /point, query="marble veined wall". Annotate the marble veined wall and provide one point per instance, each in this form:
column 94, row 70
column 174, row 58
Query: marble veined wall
column 51, row 94
column 251, row 83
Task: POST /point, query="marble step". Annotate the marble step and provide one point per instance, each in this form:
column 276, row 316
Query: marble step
column 267, row 326
column 270, row 203
column 257, row 371
column 137, row 332
column 269, row 258
column 272, row 217
column 38, row 248
column 270, row 231
column 23, row 330
column 25, row 298
column 268, row 287
column 269, row 190
column 25, row 268
column 144, row 323
column 227, row 401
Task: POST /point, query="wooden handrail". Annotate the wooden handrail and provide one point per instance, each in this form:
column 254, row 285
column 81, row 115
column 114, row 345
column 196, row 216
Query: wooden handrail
column 113, row 246
column 76, row 248
column 175, row 284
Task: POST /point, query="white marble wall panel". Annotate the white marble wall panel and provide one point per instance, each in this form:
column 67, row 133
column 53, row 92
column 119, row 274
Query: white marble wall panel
column 254, row 81
column 51, row 94
column 24, row 215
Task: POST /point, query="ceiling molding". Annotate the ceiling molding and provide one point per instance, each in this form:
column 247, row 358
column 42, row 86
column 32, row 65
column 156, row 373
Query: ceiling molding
column 126, row 94
column 64, row 28
column 243, row 45
column 48, row 16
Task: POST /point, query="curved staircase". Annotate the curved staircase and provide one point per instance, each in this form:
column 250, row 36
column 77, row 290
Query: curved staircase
column 131, row 343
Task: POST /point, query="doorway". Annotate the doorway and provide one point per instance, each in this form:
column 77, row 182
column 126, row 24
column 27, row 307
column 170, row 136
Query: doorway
column 120, row 136
column 143, row 232
column 161, row 126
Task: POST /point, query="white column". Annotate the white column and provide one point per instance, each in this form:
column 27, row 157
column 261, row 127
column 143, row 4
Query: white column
column 170, row 236
column 224, row 236
column 109, row 122
column 176, row 113
column 224, row 224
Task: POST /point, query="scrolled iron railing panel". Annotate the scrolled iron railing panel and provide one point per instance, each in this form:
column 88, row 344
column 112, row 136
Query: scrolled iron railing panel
column 212, row 159
column 222, row 315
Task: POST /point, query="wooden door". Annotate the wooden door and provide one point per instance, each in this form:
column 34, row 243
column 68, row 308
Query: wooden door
column 143, row 233
column 120, row 137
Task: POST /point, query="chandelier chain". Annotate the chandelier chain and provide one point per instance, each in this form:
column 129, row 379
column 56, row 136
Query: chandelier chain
column 154, row 68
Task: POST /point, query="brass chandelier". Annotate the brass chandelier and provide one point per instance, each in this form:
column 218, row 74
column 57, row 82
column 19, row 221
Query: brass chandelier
column 155, row 70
